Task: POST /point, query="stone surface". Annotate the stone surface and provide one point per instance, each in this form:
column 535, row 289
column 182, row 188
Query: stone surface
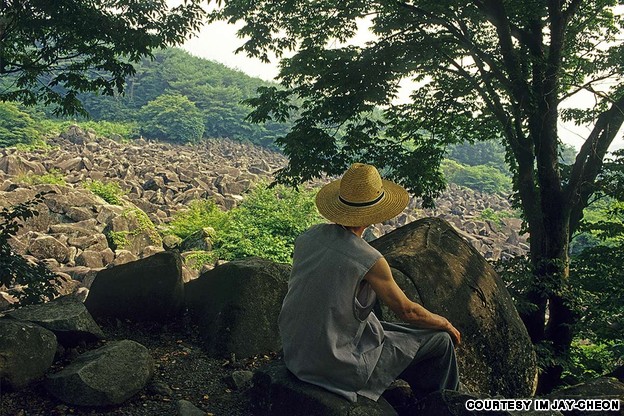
column 45, row 247
column 26, row 352
column 277, row 391
column 106, row 376
column 149, row 289
column 67, row 317
column 186, row 408
column 236, row 306
column 452, row 279
column 607, row 388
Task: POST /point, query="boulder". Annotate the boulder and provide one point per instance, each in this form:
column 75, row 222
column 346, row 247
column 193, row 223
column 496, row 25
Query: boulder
column 452, row 279
column 236, row 306
column 66, row 316
column 150, row 289
column 48, row 247
column 106, row 376
column 277, row 391
column 186, row 408
column 26, row 352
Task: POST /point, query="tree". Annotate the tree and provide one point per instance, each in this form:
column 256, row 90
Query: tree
column 52, row 50
column 16, row 126
column 486, row 70
column 172, row 117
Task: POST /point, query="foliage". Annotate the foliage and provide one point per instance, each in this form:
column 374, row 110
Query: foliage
column 481, row 178
column 102, row 128
column 265, row 224
column 490, row 153
column 486, row 70
column 53, row 177
column 496, row 216
column 50, row 51
column 110, row 192
column 588, row 361
column 38, row 284
column 171, row 117
column 216, row 90
column 16, row 126
column 199, row 215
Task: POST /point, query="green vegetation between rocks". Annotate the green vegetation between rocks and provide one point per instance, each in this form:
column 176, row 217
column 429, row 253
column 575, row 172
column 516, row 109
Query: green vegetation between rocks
column 53, row 177
column 265, row 224
column 110, row 192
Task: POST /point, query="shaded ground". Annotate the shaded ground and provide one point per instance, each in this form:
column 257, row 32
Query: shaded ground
column 183, row 371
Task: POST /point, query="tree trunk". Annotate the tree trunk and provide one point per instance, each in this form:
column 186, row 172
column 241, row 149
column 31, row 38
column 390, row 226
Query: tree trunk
column 549, row 255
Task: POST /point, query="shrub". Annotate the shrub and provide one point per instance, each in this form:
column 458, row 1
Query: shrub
column 38, row 283
column 110, row 192
column 199, row 215
column 266, row 224
column 53, row 177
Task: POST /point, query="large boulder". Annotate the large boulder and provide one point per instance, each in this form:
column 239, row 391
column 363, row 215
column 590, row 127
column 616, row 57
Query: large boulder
column 26, row 352
column 150, row 289
column 236, row 306
column 277, row 391
column 66, row 316
column 496, row 356
column 106, row 376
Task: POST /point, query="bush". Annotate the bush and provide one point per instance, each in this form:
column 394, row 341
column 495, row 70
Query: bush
column 38, row 283
column 108, row 129
column 266, row 224
column 110, row 192
column 199, row 215
column 53, row 177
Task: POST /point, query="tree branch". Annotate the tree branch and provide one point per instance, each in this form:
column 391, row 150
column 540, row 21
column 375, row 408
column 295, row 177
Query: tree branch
column 590, row 158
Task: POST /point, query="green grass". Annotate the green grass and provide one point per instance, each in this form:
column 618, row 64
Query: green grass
column 53, row 177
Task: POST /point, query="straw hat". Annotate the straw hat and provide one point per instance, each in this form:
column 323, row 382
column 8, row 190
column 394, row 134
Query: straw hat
column 361, row 198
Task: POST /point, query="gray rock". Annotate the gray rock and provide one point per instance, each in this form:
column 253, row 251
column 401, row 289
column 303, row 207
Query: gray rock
column 186, row 408
column 245, row 300
column 91, row 259
column 46, row 246
column 147, row 289
column 240, row 379
column 66, row 316
column 455, row 281
column 26, row 352
column 276, row 391
column 106, row 376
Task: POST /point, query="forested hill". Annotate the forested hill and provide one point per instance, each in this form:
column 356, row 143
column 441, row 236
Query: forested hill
column 214, row 89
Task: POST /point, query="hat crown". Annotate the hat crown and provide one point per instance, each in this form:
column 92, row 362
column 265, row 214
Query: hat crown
column 361, row 183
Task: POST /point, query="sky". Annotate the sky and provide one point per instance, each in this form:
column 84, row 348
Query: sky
column 218, row 42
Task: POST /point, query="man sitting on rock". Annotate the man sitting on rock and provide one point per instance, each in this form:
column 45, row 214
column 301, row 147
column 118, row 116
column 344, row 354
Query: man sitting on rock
column 330, row 336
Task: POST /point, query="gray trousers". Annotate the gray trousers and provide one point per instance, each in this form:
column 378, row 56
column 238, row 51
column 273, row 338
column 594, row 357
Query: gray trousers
column 434, row 367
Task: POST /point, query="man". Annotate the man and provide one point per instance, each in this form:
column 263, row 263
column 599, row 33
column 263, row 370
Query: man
column 330, row 335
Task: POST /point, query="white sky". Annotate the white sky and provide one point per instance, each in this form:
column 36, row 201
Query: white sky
column 218, row 41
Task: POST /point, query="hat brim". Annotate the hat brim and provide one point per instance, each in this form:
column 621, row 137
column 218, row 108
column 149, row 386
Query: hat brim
column 329, row 205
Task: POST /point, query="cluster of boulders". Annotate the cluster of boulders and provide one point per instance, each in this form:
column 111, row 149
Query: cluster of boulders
column 236, row 306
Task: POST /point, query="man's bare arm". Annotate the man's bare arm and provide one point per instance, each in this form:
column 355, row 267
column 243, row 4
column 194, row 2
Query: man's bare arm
column 384, row 285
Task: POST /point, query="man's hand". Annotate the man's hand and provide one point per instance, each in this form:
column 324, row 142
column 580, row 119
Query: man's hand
column 454, row 333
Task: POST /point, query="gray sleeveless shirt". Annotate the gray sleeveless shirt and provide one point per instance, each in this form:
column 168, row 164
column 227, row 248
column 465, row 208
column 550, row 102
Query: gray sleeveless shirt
column 329, row 335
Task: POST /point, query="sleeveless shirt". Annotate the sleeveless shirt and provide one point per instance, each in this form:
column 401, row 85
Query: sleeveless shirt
column 330, row 336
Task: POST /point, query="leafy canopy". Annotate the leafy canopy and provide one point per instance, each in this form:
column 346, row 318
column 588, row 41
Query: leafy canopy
column 171, row 117
column 52, row 50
